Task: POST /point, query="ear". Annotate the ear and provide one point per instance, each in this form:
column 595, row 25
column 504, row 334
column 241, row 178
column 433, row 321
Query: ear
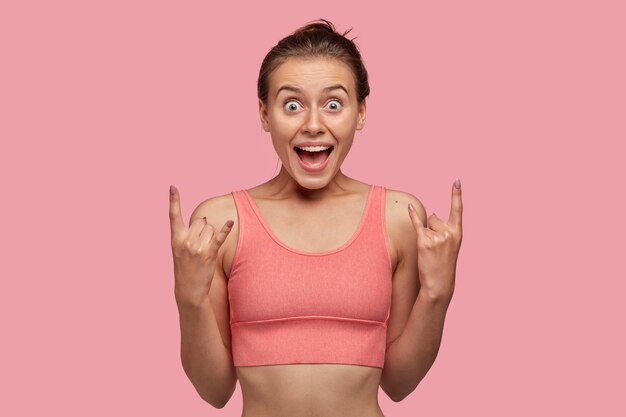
column 263, row 115
column 361, row 116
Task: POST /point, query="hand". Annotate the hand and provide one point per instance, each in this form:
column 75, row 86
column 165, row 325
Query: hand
column 195, row 253
column 438, row 248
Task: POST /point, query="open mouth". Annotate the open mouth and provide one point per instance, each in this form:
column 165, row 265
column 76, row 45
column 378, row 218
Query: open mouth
column 313, row 158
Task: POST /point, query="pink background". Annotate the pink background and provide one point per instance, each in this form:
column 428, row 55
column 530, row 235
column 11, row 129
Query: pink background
column 105, row 104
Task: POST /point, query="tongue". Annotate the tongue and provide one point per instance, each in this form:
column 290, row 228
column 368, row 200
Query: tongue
column 313, row 158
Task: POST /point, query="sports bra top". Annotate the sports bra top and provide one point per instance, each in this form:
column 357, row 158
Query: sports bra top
column 293, row 307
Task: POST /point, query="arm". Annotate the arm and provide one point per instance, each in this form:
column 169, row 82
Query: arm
column 205, row 331
column 206, row 361
column 411, row 355
column 419, row 302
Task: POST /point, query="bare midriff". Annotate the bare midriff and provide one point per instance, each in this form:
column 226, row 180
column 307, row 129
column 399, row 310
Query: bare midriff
column 310, row 390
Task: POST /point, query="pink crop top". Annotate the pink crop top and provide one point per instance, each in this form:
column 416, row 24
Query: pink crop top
column 293, row 307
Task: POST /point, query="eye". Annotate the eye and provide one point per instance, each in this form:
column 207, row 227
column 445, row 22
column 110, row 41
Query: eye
column 291, row 105
column 335, row 104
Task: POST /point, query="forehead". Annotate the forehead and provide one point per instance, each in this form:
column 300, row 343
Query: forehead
column 311, row 73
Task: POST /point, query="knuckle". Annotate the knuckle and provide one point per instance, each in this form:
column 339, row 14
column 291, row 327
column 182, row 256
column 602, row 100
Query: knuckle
column 192, row 247
column 212, row 252
column 177, row 243
column 218, row 240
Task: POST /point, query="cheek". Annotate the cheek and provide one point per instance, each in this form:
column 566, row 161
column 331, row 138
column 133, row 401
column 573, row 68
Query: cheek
column 281, row 137
column 282, row 132
column 282, row 127
column 344, row 127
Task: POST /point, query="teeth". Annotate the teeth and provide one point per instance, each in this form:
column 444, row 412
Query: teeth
column 313, row 148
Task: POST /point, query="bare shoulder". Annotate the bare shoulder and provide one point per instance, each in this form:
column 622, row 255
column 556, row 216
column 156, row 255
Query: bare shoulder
column 400, row 228
column 398, row 201
column 217, row 210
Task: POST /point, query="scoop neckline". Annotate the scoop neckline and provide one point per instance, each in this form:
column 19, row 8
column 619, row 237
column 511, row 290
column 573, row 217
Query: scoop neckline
column 354, row 236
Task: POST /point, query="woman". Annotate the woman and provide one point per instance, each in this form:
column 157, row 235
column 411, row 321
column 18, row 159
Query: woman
column 310, row 293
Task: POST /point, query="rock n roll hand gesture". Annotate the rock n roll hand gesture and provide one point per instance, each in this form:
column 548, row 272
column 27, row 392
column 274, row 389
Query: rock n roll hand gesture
column 195, row 253
column 438, row 247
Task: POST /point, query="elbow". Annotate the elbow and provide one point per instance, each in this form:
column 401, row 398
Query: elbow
column 396, row 393
column 216, row 404
column 397, row 398
column 216, row 389
column 219, row 400
column 214, row 400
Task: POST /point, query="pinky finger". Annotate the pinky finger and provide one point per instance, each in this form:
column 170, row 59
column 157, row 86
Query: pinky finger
column 220, row 238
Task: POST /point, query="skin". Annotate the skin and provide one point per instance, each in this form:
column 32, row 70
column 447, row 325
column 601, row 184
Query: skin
column 292, row 204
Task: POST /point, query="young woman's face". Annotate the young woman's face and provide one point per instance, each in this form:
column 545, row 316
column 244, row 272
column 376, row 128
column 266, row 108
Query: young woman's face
column 312, row 102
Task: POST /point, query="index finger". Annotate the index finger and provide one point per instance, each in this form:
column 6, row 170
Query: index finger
column 456, row 208
column 176, row 219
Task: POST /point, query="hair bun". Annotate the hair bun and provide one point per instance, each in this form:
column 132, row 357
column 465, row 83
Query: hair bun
column 324, row 25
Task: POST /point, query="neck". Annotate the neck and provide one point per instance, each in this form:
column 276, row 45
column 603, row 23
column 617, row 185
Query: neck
column 284, row 185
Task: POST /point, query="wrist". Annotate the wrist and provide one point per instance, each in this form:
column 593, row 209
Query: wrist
column 436, row 295
column 186, row 300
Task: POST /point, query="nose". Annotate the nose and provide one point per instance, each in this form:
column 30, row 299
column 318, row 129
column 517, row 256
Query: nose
column 313, row 123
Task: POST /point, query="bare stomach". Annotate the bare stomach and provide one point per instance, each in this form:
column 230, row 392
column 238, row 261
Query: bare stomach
column 308, row 390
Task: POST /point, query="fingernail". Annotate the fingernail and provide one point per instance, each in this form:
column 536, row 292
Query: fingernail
column 457, row 183
column 230, row 223
column 172, row 190
column 411, row 207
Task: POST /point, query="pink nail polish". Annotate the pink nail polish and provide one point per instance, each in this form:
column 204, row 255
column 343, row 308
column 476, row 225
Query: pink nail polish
column 411, row 207
column 457, row 183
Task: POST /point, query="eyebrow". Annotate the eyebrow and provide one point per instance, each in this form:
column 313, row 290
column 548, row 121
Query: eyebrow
column 297, row 90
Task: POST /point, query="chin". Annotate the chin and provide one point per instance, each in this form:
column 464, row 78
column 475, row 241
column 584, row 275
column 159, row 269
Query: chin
column 310, row 183
column 310, row 180
column 313, row 183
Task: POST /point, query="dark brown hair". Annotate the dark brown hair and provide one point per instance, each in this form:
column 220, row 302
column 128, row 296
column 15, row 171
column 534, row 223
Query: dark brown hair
column 317, row 39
